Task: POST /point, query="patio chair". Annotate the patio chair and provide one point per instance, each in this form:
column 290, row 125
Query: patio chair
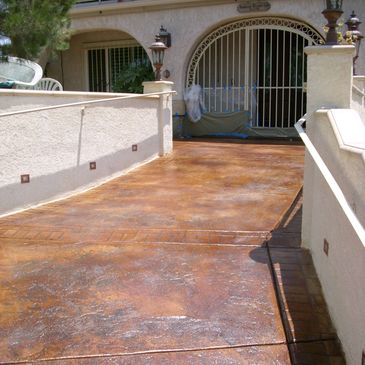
column 21, row 72
column 48, row 84
column 45, row 83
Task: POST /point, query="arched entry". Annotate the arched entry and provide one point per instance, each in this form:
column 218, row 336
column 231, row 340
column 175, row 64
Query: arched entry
column 255, row 64
column 95, row 58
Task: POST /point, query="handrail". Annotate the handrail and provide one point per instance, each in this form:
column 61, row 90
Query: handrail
column 79, row 103
column 332, row 183
column 362, row 93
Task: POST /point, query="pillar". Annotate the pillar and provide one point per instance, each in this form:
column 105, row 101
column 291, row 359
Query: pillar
column 164, row 113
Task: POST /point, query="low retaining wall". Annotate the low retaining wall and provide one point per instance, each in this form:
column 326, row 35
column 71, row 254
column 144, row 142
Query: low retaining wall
column 339, row 137
column 56, row 147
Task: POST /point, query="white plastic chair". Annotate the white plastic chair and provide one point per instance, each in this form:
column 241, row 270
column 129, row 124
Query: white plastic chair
column 48, row 84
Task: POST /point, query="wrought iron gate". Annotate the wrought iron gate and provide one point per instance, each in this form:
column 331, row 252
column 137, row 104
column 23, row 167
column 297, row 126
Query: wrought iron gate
column 257, row 65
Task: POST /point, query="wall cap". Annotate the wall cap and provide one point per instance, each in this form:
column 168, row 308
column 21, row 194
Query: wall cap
column 338, row 49
column 157, row 86
column 347, row 127
column 26, row 92
column 158, row 83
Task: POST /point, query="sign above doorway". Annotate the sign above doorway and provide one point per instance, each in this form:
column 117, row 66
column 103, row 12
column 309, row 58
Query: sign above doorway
column 249, row 6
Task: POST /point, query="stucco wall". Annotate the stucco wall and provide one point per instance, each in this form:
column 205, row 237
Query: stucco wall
column 342, row 272
column 188, row 26
column 55, row 147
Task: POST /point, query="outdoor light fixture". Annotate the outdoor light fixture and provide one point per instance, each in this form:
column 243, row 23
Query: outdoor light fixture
column 158, row 53
column 353, row 35
column 332, row 14
column 165, row 37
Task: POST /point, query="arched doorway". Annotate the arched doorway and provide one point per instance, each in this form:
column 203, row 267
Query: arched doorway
column 95, row 58
column 255, row 64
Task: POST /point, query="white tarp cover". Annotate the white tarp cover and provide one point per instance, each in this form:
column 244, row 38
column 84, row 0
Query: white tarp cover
column 193, row 97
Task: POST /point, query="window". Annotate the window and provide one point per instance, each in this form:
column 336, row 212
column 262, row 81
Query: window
column 105, row 63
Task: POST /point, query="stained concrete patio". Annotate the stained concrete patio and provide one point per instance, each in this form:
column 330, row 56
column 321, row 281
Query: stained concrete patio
column 192, row 259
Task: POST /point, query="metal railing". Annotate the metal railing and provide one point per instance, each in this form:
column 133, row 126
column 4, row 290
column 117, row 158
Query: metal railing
column 84, row 103
column 360, row 93
column 331, row 181
column 96, row 1
column 99, row 2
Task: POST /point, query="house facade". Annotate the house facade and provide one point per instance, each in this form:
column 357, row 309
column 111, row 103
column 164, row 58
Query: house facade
column 246, row 55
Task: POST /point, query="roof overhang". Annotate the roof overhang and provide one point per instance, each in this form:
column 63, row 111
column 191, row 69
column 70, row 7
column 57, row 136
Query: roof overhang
column 86, row 10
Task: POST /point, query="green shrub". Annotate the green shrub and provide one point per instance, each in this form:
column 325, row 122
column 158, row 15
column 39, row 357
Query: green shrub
column 130, row 78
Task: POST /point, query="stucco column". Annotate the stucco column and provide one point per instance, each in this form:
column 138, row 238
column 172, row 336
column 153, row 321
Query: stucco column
column 164, row 113
column 329, row 85
column 329, row 81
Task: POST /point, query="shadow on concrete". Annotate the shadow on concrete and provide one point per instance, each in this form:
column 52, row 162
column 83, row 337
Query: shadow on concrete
column 310, row 335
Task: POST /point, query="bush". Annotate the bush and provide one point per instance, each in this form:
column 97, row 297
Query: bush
column 131, row 77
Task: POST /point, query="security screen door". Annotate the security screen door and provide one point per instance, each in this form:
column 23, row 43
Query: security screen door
column 257, row 65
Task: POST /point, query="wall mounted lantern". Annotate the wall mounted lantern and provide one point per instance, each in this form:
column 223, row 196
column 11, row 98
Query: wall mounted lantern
column 332, row 14
column 353, row 35
column 165, row 36
column 158, row 53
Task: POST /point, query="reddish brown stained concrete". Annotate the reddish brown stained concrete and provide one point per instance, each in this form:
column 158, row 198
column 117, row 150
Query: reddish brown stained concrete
column 171, row 257
column 94, row 298
column 309, row 330
column 219, row 187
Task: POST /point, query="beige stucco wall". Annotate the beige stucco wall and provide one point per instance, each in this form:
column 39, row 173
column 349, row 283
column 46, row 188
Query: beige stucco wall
column 338, row 134
column 342, row 272
column 329, row 68
column 188, row 26
column 56, row 146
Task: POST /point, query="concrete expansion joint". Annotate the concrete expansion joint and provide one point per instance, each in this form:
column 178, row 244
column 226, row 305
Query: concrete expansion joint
column 146, row 352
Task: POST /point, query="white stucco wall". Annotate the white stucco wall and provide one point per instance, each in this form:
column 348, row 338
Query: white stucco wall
column 338, row 133
column 55, row 147
column 189, row 24
column 339, row 137
column 329, row 66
